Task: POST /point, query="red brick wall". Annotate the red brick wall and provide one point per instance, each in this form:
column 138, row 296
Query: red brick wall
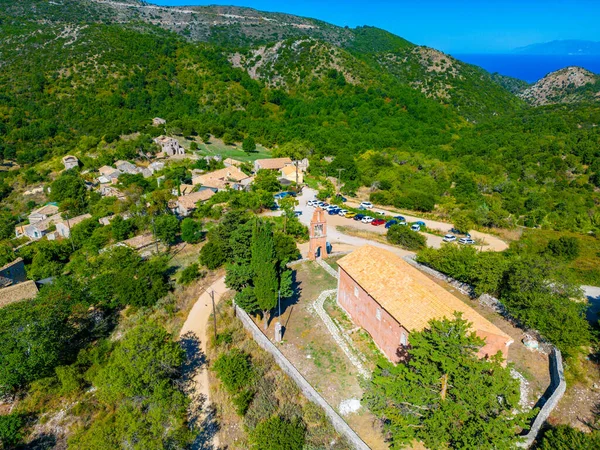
column 366, row 312
column 384, row 329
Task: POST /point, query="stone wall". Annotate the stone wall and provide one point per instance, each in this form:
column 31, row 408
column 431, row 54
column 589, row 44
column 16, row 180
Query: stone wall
column 556, row 390
column 310, row 393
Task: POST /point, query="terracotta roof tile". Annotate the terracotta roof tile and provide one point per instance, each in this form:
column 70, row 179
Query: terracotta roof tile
column 407, row 294
column 18, row 292
column 273, row 163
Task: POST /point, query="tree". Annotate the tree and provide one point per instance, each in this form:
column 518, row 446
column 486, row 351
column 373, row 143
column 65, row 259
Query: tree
column 189, row 274
column 235, row 372
column 122, row 228
column 249, row 145
column 406, row 238
column 444, row 395
column 7, row 225
column 564, row 247
column 191, row 231
column 263, row 265
column 166, row 228
column 266, row 180
column 7, row 253
column 564, row 437
column 68, row 185
column 278, row 434
column 10, row 430
column 462, row 223
column 288, row 205
column 212, row 255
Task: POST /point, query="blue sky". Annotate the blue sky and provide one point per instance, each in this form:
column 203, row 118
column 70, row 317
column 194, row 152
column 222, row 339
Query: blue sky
column 454, row 26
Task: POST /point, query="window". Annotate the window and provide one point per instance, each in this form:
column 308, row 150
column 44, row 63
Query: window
column 403, row 339
column 378, row 314
column 356, row 291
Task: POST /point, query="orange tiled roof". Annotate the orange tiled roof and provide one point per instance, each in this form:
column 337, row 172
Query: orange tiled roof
column 189, row 201
column 406, row 293
column 273, row 163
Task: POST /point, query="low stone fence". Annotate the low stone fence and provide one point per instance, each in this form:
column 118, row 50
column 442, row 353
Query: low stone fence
column 556, row 389
column 311, row 394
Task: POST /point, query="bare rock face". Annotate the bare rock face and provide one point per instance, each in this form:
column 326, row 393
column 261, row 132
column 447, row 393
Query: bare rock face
column 562, row 86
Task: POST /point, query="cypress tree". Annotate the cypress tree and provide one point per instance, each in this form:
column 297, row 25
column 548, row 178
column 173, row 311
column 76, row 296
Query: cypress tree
column 263, row 266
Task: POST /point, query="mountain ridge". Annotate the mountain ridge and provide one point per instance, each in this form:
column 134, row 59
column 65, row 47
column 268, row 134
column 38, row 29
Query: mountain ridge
column 565, row 47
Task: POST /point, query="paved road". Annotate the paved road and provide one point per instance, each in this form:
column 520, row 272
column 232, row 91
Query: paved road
column 593, row 295
column 490, row 242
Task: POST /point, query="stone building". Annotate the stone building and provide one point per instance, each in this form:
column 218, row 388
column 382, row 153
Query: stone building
column 317, row 246
column 389, row 299
column 70, row 162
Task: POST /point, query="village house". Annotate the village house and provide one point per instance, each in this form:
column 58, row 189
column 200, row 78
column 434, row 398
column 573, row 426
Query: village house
column 223, row 178
column 186, row 204
column 38, row 230
column 127, row 167
column 389, row 298
column 13, row 271
column 271, row 164
column 37, row 215
column 109, row 191
column 156, row 166
column 288, row 173
column 108, row 175
column 228, row 162
column 70, row 162
column 157, row 122
column 169, row 146
column 63, row 228
column 18, row 292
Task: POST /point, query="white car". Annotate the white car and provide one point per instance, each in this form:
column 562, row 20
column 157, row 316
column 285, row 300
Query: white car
column 330, row 207
column 416, row 227
column 449, row 238
column 402, row 222
column 312, row 202
column 367, row 219
column 366, row 205
column 342, row 212
column 466, row 241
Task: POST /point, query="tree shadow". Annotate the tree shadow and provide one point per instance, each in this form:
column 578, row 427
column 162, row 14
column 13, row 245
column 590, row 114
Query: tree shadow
column 42, row 442
column 287, row 303
column 202, row 417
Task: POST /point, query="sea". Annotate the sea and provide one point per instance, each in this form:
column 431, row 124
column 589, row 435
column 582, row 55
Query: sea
column 530, row 68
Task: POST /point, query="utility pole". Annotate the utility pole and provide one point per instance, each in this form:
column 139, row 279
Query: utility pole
column 212, row 297
column 340, row 170
column 154, row 232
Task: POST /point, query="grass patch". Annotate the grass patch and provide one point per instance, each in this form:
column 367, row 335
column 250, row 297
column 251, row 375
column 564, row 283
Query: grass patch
column 217, row 147
column 585, row 269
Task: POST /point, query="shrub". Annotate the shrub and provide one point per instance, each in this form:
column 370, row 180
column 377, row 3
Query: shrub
column 564, row 437
column 234, row 370
column 406, row 238
column 10, row 430
column 564, row 247
column 189, row 274
column 212, row 255
column 278, row 434
column 191, row 231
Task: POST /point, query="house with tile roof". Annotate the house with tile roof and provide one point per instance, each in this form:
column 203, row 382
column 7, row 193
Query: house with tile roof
column 390, row 298
column 39, row 229
column 289, row 173
column 70, row 162
column 186, row 204
column 37, row 215
column 18, row 292
column 271, row 163
column 223, row 178
column 63, row 228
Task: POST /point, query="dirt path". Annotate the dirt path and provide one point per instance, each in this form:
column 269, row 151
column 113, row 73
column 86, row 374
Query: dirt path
column 193, row 336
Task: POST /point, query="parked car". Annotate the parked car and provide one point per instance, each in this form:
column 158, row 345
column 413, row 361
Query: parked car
column 400, row 218
column 389, row 223
column 312, row 202
column 367, row 219
column 350, row 214
column 342, row 212
column 331, row 207
column 449, row 238
column 362, row 208
column 297, row 213
column 402, row 222
column 325, row 205
column 420, row 223
column 319, row 204
column 359, row 217
column 466, row 241
column 416, row 227
column 341, row 198
column 333, row 211
column 378, row 222
column 366, row 205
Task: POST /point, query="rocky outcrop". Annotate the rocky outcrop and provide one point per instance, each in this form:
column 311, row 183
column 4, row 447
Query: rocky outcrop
column 567, row 85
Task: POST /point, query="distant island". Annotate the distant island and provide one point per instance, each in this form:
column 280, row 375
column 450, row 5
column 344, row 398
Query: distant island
column 561, row 48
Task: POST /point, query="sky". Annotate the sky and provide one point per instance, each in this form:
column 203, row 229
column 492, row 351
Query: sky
column 453, row 26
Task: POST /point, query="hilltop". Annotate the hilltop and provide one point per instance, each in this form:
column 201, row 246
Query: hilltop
column 562, row 47
column 568, row 85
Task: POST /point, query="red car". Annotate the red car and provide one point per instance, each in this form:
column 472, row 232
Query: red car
column 378, row 222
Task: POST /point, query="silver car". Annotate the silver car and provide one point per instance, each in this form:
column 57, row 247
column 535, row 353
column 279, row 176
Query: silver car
column 449, row 238
column 367, row 219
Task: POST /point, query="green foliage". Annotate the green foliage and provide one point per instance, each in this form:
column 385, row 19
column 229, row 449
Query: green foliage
column 266, row 180
column 139, row 390
column 249, row 145
column 564, row 247
column 212, row 255
column 40, row 334
column 10, row 430
column 278, row 434
column 191, row 231
column 190, row 274
column 7, row 225
column 444, row 395
column 7, row 253
column 263, row 261
column 235, row 372
column 403, row 236
column 564, row 437
column 166, row 228
column 246, row 299
column 122, row 229
column 69, row 187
